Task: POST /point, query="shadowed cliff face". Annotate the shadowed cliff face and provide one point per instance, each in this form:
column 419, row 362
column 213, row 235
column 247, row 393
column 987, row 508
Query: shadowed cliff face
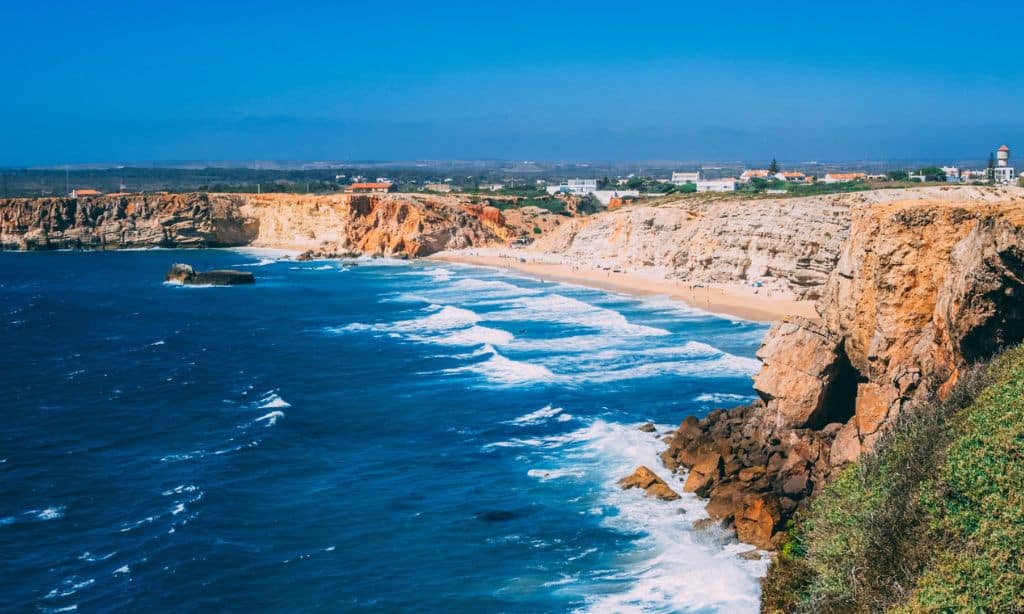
column 922, row 288
column 409, row 225
column 111, row 222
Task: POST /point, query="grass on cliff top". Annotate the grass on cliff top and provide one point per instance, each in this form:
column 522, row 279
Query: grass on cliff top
column 933, row 522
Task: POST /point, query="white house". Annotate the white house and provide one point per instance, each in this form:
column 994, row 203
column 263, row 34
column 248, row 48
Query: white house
column 684, row 178
column 795, row 176
column 1003, row 172
column 716, row 185
column 844, row 177
column 574, row 186
column 754, row 174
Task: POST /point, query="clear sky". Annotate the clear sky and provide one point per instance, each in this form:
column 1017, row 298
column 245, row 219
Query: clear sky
column 119, row 81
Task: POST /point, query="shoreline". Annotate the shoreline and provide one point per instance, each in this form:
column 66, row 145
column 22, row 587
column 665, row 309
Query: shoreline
column 737, row 300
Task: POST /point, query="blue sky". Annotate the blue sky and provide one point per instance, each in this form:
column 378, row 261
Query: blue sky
column 141, row 81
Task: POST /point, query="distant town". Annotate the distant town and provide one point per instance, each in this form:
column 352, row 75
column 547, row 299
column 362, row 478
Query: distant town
column 558, row 187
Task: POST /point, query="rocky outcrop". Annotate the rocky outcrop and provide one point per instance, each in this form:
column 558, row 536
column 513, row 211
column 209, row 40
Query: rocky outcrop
column 186, row 275
column 647, row 481
column 386, row 224
column 926, row 284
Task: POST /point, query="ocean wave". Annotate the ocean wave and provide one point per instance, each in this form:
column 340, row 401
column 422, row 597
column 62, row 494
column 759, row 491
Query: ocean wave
column 271, row 400
column 502, row 370
column 670, row 568
column 723, row 398
column 571, row 311
column 537, row 417
column 271, row 418
column 443, row 325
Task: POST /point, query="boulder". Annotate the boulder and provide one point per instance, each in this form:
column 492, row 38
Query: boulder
column 186, row 275
column 646, row 480
column 756, row 520
column 703, row 474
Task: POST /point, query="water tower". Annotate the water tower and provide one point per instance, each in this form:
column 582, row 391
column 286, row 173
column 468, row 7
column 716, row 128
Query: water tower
column 1003, row 156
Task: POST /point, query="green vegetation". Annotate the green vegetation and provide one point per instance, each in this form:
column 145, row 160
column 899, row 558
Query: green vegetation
column 934, row 522
column 546, row 202
column 589, row 205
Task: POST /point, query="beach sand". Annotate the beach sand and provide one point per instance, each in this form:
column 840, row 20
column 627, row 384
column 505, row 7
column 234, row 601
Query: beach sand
column 735, row 299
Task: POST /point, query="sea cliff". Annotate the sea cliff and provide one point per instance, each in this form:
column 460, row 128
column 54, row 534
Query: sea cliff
column 405, row 225
column 927, row 283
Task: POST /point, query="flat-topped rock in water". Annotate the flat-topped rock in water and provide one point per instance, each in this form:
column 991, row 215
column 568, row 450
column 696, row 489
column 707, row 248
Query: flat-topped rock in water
column 186, row 275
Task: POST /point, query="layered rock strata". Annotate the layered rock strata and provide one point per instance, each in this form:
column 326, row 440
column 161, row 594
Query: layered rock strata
column 922, row 288
column 392, row 224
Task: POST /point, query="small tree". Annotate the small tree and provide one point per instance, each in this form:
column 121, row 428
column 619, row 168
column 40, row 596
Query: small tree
column 773, row 167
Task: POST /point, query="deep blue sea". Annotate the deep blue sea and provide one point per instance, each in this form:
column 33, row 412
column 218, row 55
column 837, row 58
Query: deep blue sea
column 384, row 437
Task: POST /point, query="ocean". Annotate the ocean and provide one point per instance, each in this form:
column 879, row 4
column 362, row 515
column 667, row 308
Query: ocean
column 390, row 436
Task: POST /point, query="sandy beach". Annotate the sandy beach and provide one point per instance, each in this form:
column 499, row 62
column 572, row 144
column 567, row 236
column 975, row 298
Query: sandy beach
column 738, row 300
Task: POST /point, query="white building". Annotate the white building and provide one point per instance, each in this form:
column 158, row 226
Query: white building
column 793, row 177
column 757, row 173
column 1003, row 172
column 684, row 178
column 574, row 186
column 716, row 185
column 844, row 177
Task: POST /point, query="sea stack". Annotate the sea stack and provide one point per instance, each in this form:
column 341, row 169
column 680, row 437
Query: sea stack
column 186, row 275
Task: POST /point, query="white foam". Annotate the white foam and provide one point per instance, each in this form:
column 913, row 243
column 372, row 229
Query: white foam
column 272, row 400
column 723, row 397
column 443, row 325
column 51, row 513
column 571, row 311
column 536, row 417
column 122, row 569
column 271, row 417
column 670, row 568
column 502, row 370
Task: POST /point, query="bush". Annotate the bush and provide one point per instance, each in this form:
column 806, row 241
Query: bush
column 933, row 521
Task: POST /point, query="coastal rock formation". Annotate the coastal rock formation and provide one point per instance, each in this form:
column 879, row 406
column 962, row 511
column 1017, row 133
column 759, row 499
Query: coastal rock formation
column 132, row 221
column 386, row 224
column 646, row 480
column 186, row 275
column 925, row 285
column 794, row 243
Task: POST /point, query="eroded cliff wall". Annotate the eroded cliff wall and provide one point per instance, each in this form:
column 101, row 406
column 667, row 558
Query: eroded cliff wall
column 391, row 224
column 927, row 283
column 795, row 242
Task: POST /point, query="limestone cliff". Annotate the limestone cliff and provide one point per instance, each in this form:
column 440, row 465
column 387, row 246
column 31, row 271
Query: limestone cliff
column 793, row 242
column 391, row 224
column 928, row 282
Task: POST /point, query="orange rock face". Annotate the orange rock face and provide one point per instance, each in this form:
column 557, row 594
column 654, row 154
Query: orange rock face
column 923, row 288
column 338, row 224
column 646, row 480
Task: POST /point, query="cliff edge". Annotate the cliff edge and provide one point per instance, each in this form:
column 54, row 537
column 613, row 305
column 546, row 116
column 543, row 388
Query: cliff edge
column 387, row 224
column 927, row 283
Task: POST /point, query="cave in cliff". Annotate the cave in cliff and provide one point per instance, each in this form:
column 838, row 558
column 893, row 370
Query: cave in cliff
column 1004, row 326
column 840, row 396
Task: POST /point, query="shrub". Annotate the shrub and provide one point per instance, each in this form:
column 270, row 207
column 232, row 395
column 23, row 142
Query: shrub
column 934, row 520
